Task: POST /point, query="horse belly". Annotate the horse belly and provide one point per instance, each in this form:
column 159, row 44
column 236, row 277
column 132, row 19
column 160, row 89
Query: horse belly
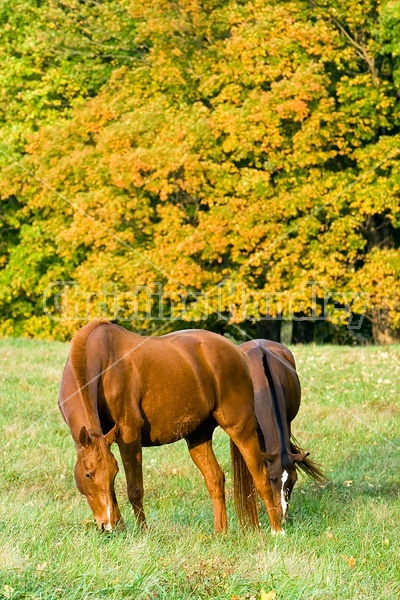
column 169, row 418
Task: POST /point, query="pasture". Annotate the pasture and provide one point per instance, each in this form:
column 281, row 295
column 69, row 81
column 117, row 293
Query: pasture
column 342, row 539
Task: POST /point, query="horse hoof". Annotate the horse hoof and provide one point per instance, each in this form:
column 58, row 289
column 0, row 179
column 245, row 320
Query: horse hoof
column 279, row 532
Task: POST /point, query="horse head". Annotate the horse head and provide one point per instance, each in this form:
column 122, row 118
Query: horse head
column 95, row 472
column 283, row 476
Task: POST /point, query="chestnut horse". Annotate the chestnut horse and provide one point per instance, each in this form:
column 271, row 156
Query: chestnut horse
column 148, row 391
column 277, row 395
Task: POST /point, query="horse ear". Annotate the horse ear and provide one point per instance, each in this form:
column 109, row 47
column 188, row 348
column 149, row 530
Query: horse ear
column 111, row 436
column 269, row 457
column 299, row 457
column 84, row 438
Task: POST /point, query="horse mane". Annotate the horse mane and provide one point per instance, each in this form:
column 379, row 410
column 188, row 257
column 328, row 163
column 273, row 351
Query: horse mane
column 308, row 466
column 77, row 359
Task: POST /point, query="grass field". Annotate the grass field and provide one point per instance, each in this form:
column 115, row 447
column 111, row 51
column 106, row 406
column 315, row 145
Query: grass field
column 342, row 540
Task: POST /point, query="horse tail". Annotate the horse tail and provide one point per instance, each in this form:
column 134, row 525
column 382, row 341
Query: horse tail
column 77, row 360
column 245, row 495
column 308, row 466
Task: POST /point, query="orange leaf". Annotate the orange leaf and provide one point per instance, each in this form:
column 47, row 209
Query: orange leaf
column 351, row 562
column 268, row 595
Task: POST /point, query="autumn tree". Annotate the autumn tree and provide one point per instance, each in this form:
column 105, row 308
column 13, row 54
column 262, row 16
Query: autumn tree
column 54, row 57
column 241, row 151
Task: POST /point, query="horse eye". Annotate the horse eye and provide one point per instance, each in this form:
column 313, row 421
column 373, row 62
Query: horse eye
column 88, row 476
column 273, row 480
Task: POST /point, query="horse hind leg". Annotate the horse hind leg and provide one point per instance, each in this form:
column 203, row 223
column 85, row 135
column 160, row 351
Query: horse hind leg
column 202, row 454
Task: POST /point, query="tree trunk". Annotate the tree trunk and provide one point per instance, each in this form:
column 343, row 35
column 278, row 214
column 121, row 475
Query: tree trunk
column 303, row 332
column 269, row 329
column 382, row 333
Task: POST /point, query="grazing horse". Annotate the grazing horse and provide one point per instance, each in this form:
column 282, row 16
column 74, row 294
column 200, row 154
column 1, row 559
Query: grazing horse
column 148, row 391
column 277, row 396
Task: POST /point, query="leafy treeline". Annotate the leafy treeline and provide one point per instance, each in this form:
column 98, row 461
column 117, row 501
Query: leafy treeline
column 241, row 149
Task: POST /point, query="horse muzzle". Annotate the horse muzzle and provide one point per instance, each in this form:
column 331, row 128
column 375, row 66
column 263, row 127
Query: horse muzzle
column 112, row 521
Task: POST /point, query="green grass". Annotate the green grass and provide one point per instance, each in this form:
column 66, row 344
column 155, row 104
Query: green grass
column 342, row 541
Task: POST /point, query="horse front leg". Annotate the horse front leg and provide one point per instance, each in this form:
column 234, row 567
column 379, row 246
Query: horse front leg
column 131, row 454
column 203, row 457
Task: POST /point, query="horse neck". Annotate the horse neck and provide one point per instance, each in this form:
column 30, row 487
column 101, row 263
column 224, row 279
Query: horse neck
column 77, row 411
column 272, row 388
column 81, row 404
column 281, row 428
column 78, row 416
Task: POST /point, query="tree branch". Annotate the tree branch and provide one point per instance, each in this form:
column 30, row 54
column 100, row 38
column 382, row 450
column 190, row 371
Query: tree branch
column 360, row 49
